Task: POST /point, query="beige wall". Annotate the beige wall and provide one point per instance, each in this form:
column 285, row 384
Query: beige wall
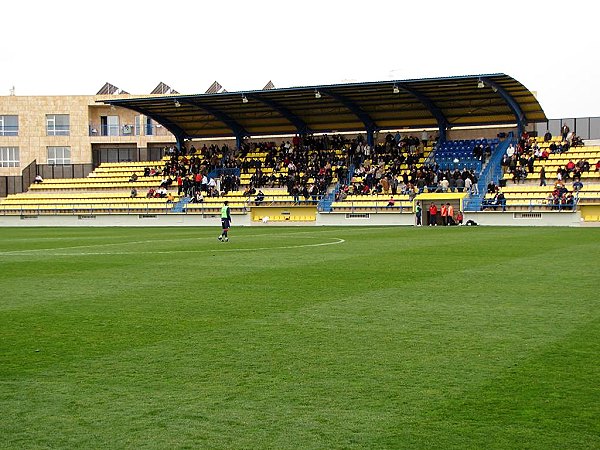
column 83, row 111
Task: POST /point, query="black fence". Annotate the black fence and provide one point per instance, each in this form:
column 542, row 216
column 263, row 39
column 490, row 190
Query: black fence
column 125, row 154
column 18, row 184
column 584, row 127
column 64, row 170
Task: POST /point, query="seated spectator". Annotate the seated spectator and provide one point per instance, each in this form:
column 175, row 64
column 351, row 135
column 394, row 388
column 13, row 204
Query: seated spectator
column 547, row 136
column 569, row 201
column 576, row 141
column 211, row 185
column 260, row 197
column 444, row 184
column 391, row 203
column 170, row 197
column 248, row 191
column 459, row 218
column 577, row 185
column 133, row 193
column 133, row 177
column 38, row 179
column 492, row 188
column 583, row 165
column 166, row 182
column 519, row 175
column 151, row 193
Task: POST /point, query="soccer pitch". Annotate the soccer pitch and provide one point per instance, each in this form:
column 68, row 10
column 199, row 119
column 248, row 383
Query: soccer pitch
column 355, row 337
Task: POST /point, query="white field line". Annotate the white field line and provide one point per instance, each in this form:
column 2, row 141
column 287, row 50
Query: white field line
column 200, row 250
column 153, row 241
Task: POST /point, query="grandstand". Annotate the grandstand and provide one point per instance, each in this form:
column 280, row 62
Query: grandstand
column 313, row 176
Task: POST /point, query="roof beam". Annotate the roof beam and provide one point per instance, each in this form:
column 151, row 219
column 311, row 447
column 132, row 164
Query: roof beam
column 177, row 131
column 431, row 107
column 237, row 129
column 510, row 101
column 365, row 118
column 300, row 124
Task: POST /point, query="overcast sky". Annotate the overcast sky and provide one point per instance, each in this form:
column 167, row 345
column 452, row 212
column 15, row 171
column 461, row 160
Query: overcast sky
column 64, row 47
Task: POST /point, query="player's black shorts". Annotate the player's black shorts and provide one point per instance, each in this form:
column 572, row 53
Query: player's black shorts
column 225, row 224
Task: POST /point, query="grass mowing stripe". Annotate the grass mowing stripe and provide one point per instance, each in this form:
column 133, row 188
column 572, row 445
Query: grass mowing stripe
column 376, row 343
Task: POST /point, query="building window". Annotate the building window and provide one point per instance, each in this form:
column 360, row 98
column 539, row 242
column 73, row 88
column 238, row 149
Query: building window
column 9, row 125
column 57, row 124
column 136, row 129
column 150, row 127
column 109, row 125
column 59, row 155
column 9, row 157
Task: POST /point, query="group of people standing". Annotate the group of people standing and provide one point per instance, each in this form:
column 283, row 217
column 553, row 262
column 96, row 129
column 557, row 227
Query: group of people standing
column 446, row 212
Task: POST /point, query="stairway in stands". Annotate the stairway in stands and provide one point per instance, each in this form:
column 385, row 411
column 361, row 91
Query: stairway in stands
column 180, row 205
column 492, row 171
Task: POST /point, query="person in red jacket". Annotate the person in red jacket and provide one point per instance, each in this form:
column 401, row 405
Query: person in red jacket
column 432, row 214
column 444, row 214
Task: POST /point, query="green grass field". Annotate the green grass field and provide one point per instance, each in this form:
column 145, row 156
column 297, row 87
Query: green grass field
column 300, row 338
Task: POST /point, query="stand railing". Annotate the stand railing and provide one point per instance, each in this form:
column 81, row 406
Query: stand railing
column 491, row 172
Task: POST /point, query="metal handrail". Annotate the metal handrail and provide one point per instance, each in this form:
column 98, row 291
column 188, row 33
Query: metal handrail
column 530, row 205
column 356, row 206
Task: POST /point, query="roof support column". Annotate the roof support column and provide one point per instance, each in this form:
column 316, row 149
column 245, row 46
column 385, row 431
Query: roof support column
column 239, row 141
column 371, row 137
column 442, row 133
column 512, row 103
column 180, row 143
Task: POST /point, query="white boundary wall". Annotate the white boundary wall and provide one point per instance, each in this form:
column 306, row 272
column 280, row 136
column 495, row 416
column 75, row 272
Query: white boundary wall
column 488, row 218
column 120, row 220
column 528, row 219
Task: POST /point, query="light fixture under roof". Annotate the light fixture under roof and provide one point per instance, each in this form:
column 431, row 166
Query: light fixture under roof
column 396, row 89
column 317, row 93
column 480, row 84
column 177, row 104
column 244, row 98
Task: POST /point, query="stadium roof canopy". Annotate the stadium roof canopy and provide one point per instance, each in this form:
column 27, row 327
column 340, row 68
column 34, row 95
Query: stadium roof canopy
column 442, row 103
